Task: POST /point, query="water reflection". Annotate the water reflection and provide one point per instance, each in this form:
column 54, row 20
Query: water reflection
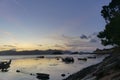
column 40, row 68
column 35, row 63
column 50, row 64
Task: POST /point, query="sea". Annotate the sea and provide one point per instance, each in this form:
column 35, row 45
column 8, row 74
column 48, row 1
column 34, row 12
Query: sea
column 50, row 64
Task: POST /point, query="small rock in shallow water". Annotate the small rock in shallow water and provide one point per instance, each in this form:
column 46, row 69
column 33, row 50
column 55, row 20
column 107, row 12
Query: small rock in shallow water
column 31, row 74
column 42, row 76
column 17, row 70
column 63, row 75
column 68, row 60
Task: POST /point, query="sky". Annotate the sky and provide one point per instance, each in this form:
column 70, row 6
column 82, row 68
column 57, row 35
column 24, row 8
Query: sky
column 51, row 24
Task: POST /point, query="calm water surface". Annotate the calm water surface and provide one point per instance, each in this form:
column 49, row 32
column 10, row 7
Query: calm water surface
column 49, row 64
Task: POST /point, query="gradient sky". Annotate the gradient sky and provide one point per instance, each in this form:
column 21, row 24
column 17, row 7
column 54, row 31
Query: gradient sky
column 51, row 24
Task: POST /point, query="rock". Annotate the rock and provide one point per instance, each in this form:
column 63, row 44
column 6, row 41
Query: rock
column 17, row 70
column 82, row 73
column 40, row 57
column 58, row 57
column 5, row 65
column 63, row 75
column 110, row 64
column 108, row 69
column 42, row 76
column 75, row 53
column 57, row 52
column 68, row 60
column 91, row 57
column 84, row 59
column 31, row 74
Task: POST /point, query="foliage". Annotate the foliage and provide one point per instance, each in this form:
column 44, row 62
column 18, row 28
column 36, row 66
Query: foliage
column 111, row 33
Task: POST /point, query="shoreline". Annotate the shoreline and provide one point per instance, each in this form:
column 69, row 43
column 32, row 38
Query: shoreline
column 108, row 69
column 82, row 73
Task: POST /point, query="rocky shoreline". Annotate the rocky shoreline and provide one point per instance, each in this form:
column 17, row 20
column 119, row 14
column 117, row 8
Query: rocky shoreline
column 108, row 69
column 82, row 73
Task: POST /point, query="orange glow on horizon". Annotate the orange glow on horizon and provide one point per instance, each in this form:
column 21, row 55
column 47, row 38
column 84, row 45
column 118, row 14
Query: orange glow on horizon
column 26, row 46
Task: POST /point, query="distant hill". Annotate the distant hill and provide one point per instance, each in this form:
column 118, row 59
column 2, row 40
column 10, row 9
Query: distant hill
column 40, row 52
column 34, row 52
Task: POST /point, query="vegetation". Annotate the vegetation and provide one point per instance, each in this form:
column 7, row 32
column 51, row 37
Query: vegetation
column 111, row 34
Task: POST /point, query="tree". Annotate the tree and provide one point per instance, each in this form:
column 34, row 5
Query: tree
column 111, row 34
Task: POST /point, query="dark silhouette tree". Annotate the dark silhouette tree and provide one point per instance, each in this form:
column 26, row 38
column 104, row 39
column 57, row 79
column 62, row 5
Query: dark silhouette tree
column 111, row 34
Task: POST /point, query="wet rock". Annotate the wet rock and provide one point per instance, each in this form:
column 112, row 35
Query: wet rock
column 91, row 57
column 82, row 73
column 108, row 66
column 58, row 57
column 84, row 59
column 57, row 52
column 17, row 70
column 5, row 65
column 108, row 69
column 75, row 53
column 42, row 76
column 68, row 60
column 40, row 57
column 63, row 75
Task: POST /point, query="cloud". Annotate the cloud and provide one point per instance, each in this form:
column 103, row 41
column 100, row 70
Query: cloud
column 93, row 40
column 95, row 33
column 63, row 38
column 80, row 46
column 9, row 46
column 39, row 45
column 75, row 43
column 83, row 36
column 59, row 46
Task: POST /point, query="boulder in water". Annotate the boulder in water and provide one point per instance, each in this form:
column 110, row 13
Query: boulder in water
column 42, row 76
